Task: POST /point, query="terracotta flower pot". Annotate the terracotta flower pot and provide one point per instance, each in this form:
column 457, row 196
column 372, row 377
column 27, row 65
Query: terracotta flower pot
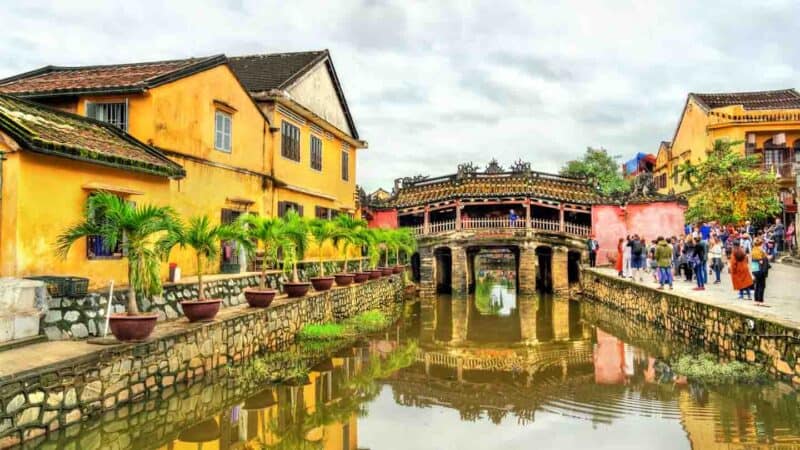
column 259, row 298
column 375, row 274
column 361, row 277
column 201, row 310
column 386, row 271
column 322, row 283
column 398, row 269
column 132, row 328
column 344, row 279
column 294, row 290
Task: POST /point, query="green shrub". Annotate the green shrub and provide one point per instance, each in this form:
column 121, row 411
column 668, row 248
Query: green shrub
column 705, row 368
column 369, row 322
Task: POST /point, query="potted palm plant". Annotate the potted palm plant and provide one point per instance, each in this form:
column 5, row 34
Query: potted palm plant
column 265, row 234
column 363, row 238
column 374, row 252
column 387, row 241
column 322, row 231
column 347, row 227
column 134, row 229
column 294, row 233
column 405, row 242
column 204, row 240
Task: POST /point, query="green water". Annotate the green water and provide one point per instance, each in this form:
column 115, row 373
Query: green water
column 492, row 371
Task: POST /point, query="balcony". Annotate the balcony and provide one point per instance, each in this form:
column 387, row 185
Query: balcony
column 547, row 225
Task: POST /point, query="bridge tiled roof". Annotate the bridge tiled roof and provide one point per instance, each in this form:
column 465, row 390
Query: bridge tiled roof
column 484, row 185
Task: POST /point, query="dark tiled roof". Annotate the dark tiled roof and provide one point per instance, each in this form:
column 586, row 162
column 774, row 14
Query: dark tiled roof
column 45, row 130
column 536, row 185
column 273, row 71
column 781, row 99
column 118, row 78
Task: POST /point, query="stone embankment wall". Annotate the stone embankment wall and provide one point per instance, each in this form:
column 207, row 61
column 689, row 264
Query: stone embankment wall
column 31, row 404
column 78, row 318
column 721, row 331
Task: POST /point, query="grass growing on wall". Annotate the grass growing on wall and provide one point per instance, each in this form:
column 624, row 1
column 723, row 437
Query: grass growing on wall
column 369, row 322
column 705, row 368
column 364, row 323
column 325, row 332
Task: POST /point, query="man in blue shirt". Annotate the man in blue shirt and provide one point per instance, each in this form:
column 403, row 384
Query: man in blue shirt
column 705, row 231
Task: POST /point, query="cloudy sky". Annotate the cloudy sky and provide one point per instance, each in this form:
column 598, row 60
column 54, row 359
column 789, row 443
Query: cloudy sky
column 434, row 84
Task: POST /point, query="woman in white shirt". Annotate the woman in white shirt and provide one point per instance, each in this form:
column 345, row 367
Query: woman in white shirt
column 626, row 259
column 715, row 253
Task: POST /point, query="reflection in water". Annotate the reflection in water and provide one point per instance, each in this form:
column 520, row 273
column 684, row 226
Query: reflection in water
column 447, row 378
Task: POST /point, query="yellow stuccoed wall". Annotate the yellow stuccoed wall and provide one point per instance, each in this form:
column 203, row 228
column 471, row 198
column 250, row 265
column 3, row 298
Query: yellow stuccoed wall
column 337, row 194
column 42, row 195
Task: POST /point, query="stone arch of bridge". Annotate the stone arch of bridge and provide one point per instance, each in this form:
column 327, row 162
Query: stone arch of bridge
column 443, row 269
column 544, row 265
column 475, row 251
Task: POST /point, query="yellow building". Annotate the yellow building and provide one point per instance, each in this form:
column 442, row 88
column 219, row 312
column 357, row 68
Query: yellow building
column 314, row 155
column 767, row 121
column 203, row 115
column 51, row 162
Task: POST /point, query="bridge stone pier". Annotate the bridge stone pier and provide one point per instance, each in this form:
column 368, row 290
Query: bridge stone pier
column 542, row 259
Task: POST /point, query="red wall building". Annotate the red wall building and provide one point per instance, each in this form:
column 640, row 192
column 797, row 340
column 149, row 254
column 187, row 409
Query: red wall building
column 381, row 218
column 648, row 220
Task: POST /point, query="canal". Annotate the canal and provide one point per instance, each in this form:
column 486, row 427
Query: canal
column 492, row 371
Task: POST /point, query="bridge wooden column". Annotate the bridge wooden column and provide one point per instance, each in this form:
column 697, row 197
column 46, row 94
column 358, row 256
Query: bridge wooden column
column 560, row 270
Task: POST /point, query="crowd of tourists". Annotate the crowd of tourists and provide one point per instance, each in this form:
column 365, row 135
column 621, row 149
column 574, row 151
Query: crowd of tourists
column 705, row 250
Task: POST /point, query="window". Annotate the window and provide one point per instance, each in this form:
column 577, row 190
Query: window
column 345, row 165
column 113, row 113
column 316, row 153
column 96, row 247
column 290, row 141
column 284, row 207
column 321, row 212
column 222, row 131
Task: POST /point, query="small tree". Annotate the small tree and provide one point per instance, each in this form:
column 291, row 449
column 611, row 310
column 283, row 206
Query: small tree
column 265, row 234
column 405, row 242
column 204, row 240
column 348, row 229
column 600, row 169
column 294, row 232
column 134, row 229
column 322, row 230
column 729, row 187
column 364, row 238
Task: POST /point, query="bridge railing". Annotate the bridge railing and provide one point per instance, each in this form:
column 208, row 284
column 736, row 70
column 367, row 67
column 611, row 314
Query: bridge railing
column 502, row 223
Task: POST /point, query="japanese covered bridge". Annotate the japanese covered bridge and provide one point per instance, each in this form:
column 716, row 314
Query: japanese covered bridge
column 543, row 220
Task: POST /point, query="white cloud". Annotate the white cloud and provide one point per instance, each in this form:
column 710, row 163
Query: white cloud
column 431, row 85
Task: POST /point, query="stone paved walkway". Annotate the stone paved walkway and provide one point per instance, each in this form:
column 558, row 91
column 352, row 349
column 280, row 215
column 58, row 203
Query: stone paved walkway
column 782, row 294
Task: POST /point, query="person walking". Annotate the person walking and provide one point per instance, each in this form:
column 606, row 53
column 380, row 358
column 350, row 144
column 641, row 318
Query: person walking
column 699, row 261
column 759, row 265
column 790, row 235
column 592, row 245
column 663, row 256
column 620, row 256
column 686, row 258
column 637, row 257
column 626, row 258
column 778, row 233
column 715, row 252
column 740, row 272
